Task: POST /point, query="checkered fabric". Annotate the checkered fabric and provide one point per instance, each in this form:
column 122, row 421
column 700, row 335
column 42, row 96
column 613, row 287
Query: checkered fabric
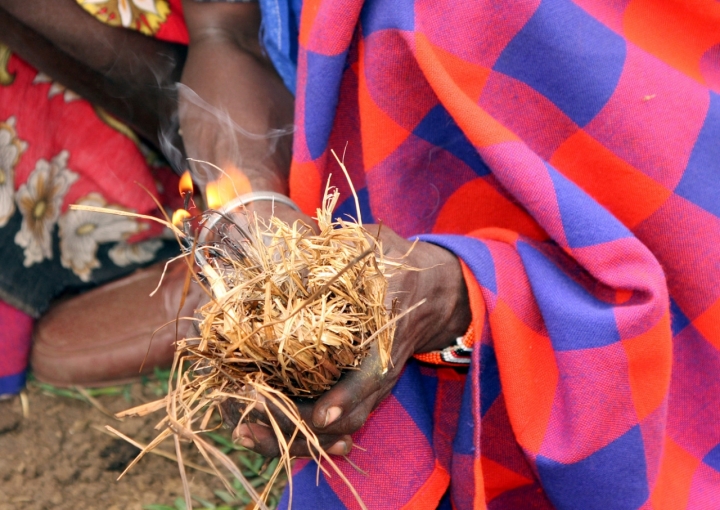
column 568, row 151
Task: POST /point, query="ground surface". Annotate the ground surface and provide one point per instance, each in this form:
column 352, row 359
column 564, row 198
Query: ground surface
column 58, row 458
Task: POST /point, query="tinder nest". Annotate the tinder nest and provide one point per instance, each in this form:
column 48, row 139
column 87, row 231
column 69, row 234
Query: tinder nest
column 291, row 308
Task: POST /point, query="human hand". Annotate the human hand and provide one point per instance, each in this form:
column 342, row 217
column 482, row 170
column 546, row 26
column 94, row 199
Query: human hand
column 233, row 107
column 344, row 408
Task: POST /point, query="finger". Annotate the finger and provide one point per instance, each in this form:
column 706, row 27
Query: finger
column 259, row 416
column 262, row 439
column 357, row 391
column 355, row 417
column 235, row 412
column 352, row 390
column 285, row 424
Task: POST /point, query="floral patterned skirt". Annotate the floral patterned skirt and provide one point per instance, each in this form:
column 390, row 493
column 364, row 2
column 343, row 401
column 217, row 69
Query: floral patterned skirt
column 57, row 149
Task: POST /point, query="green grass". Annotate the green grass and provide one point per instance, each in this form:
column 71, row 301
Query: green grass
column 157, row 384
column 180, row 505
column 49, row 389
column 256, row 469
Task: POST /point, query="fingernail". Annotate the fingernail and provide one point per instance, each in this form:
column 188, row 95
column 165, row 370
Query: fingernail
column 331, row 415
column 260, row 402
column 247, row 443
column 339, row 448
column 240, row 432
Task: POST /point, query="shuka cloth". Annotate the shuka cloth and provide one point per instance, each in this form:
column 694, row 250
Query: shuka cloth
column 569, row 153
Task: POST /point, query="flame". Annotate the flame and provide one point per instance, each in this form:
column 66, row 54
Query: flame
column 179, row 216
column 213, row 195
column 232, row 183
column 185, row 185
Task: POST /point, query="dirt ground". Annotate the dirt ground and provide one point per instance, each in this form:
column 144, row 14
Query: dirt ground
column 58, row 457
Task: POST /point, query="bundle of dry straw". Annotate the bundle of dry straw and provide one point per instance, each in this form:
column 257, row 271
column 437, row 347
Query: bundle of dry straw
column 291, row 310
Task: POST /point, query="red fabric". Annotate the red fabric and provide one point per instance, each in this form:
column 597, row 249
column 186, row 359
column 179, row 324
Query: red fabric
column 107, row 161
column 15, row 332
column 174, row 29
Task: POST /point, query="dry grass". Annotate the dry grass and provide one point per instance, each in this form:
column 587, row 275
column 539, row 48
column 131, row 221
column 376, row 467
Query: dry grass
column 291, row 310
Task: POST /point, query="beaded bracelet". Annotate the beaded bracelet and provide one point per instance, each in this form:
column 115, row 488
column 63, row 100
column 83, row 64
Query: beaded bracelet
column 454, row 355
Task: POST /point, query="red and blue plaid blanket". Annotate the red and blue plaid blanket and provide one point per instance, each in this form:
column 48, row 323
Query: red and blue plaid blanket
column 569, row 153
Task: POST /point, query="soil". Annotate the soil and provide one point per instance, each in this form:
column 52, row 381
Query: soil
column 58, row 458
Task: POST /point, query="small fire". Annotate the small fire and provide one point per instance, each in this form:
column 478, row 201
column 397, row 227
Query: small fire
column 213, row 195
column 186, row 188
column 231, row 184
column 186, row 184
column 179, row 216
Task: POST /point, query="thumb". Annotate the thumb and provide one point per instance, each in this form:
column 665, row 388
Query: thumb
column 353, row 389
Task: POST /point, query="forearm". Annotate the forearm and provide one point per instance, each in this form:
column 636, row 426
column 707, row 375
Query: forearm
column 247, row 101
column 128, row 74
column 123, row 55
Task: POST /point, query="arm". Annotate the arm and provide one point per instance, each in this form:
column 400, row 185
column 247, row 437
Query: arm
column 227, row 69
column 123, row 71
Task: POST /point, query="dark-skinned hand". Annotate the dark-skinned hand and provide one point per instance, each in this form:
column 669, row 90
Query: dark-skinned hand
column 344, row 408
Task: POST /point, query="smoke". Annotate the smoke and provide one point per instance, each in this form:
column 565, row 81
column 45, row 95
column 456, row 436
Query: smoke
column 169, row 137
column 214, row 133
